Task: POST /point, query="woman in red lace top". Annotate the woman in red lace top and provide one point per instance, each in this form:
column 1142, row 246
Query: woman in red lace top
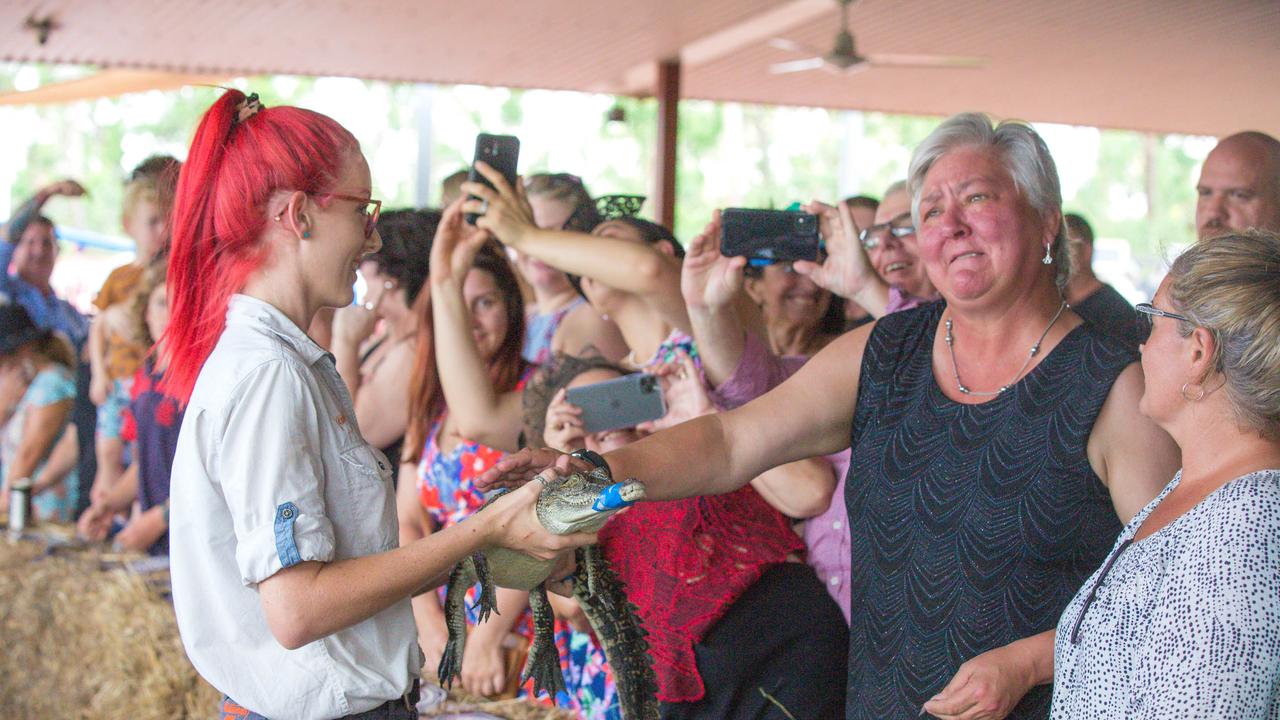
column 735, row 625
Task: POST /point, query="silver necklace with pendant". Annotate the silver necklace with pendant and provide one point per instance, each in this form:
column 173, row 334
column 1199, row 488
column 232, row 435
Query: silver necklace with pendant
column 1035, row 350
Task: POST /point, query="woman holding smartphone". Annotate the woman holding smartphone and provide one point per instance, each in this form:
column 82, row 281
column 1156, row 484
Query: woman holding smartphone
column 291, row 595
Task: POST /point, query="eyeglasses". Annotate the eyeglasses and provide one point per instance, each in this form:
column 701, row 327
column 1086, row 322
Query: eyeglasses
column 872, row 237
column 1093, row 592
column 370, row 213
column 369, row 208
column 1147, row 312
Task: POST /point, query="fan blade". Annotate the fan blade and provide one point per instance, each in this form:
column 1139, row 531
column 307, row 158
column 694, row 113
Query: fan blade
column 795, row 66
column 793, row 46
column 933, row 61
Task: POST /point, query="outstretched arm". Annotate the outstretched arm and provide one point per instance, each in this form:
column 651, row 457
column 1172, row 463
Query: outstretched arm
column 809, row 415
column 479, row 412
column 631, row 267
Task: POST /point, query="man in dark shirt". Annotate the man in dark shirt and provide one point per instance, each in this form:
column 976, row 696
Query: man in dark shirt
column 1092, row 299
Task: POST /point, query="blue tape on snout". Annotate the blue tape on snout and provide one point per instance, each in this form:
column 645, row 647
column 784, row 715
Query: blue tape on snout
column 610, row 498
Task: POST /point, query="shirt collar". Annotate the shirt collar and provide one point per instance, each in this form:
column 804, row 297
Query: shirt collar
column 243, row 309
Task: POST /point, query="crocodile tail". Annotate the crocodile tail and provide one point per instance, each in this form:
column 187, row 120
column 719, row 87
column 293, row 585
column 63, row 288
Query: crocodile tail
column 621, row 634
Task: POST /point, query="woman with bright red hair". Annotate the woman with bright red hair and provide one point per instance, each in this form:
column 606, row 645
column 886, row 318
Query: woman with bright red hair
column 291, row 594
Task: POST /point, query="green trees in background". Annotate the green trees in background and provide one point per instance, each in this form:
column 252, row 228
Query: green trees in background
column 1137, row 187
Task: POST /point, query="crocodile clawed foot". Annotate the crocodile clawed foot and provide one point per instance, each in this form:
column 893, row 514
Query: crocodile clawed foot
column 543, row 664
column 487, row 601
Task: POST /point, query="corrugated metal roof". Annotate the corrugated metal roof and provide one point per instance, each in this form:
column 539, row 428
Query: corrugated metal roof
column 1163, row 65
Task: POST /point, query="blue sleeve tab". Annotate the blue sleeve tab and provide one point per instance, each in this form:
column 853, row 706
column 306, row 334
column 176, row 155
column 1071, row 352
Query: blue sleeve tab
column 286, row 548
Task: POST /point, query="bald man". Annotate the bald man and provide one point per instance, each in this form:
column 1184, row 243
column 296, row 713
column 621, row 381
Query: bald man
column 1239, row 186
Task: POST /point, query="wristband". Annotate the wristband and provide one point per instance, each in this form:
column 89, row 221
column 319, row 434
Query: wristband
column 596, row 460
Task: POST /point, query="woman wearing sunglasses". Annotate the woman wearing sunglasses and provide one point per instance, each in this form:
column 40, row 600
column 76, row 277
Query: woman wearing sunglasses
column 1183, row 618
column 291, row 595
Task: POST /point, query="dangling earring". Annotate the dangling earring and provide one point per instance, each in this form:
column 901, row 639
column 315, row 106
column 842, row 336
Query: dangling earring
column 1188, row 397
column 1048, row 256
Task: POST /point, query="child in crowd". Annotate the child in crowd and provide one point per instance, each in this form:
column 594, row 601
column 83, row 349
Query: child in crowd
column 151, row 423
column 116, row 347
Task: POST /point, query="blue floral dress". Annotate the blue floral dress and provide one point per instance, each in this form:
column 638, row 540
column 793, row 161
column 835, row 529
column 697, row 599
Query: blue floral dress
column 447, row 490
column 51, row 385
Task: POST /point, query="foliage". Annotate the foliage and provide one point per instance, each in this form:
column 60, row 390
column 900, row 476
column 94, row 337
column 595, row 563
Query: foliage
column 1139, row 187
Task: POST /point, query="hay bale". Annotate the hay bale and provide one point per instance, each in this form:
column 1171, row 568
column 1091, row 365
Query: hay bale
column 83, row 638
column 84, row 642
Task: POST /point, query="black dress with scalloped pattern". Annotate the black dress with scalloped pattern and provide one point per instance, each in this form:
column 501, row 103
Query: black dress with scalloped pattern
column 972, row 525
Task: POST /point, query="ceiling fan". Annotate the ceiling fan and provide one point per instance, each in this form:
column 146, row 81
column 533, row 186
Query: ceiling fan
column 845, row 59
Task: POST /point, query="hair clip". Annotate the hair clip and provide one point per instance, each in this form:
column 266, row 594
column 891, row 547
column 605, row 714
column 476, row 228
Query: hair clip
column 247, row 109
column 612, row 207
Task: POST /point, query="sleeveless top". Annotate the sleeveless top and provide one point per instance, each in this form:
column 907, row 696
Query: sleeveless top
column 686, row 562
column 540, row 330
column 972, row 525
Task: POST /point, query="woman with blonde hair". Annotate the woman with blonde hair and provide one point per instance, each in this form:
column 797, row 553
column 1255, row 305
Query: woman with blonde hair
column 1183, row 618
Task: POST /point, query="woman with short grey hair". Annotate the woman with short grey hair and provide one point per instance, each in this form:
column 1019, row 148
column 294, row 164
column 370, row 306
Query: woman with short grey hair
column 1183, row 619
column 996, row 438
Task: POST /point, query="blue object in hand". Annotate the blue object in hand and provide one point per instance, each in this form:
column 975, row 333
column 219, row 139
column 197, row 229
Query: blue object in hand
column 611, row 498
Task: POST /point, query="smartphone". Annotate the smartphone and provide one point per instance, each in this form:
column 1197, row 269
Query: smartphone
column 500, row 152
column 618, row 403
column 767, row 236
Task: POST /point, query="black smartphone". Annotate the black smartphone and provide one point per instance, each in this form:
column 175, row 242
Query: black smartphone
column 500, row 152
column 618, row 403
column 767, row 236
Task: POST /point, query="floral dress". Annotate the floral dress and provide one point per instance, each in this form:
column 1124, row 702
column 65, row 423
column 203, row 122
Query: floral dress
column 447, row 490
column 50, row 386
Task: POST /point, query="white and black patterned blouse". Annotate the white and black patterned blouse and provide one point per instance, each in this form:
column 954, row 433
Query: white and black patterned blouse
column 1185, row 623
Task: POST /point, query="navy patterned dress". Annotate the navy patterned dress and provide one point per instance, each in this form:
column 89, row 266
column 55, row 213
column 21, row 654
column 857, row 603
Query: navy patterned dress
column 972, row 525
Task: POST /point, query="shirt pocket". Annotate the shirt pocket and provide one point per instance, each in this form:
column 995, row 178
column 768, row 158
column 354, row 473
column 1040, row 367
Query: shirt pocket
column 363, row 463
column 370, row 500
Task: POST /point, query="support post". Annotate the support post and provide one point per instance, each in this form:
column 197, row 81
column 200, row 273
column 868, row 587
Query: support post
column 668, row 94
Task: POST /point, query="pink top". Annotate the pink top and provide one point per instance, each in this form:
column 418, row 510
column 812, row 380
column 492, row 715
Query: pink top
column 900, row 300
column 827, row 535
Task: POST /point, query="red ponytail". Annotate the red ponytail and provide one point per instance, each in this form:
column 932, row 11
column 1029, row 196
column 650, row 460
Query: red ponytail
column 220, row 213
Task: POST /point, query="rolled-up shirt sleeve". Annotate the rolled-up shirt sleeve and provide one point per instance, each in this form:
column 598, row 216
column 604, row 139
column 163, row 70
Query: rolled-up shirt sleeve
column 270, row 472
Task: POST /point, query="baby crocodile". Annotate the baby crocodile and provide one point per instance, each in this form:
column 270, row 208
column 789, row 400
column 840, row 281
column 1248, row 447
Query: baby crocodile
column 577, row 503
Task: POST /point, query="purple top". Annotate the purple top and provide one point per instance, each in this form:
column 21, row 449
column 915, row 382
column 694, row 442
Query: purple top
column 827, row 534
column 900, row 300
